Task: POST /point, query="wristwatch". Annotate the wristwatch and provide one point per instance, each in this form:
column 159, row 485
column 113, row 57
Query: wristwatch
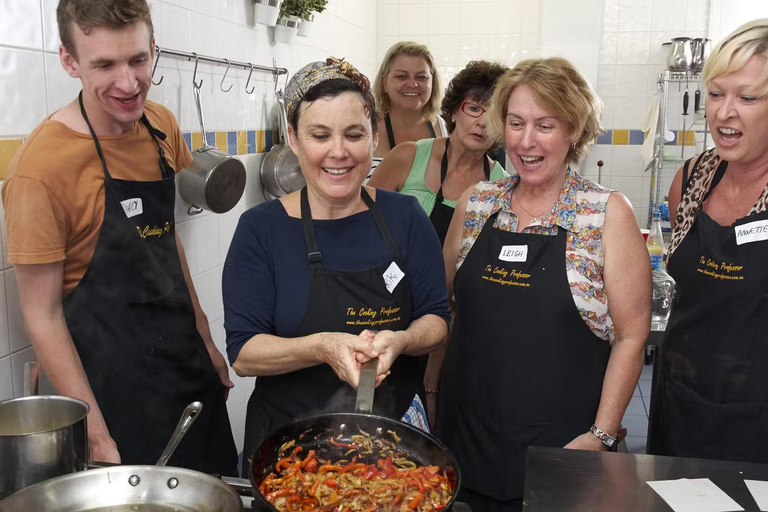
column 607, row 439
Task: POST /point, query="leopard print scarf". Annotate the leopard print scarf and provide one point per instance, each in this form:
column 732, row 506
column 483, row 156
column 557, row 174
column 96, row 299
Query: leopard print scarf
column 698, row 183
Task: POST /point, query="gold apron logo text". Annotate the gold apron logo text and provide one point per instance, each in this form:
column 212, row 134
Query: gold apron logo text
column 504, row 277
column 723, row 271
column 155, row 231
column 372, row 318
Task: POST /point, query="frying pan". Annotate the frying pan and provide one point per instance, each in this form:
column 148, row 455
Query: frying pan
column 315, row 432
column 126, row 488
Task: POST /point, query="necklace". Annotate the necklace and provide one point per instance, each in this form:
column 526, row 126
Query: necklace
column 533, row 216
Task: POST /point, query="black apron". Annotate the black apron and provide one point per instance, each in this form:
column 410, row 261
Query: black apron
column 132, row 321
column 713, row 384
column 522, row 369
column 442, row 213
column 391, row 132
column 339, row 301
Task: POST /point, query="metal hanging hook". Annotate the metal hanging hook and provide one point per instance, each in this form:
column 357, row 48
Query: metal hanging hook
column 221, row 85
column 249, row 81
column 157, row 59
column 194, row 74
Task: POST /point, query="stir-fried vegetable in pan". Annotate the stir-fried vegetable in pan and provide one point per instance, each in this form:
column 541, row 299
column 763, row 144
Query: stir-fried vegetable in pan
column 390, row 484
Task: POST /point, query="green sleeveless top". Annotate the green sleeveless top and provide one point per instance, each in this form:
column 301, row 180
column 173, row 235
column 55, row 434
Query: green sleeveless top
column 416, row 186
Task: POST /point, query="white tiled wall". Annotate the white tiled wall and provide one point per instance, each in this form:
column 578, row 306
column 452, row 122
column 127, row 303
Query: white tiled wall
column 33, row 85
column 630, row 59
column 457, row 31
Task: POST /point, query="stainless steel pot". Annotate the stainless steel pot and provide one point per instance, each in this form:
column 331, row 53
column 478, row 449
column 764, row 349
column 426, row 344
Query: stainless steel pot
column 280, row 171
column 680, row 58
column 214, row 180
column 41, row 437
column 127, row 488
column 700, row 49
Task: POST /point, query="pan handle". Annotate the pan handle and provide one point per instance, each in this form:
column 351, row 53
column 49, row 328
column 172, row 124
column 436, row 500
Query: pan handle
column 240, row 485
column 199, row 104
column 187, row 419
column 282, row 117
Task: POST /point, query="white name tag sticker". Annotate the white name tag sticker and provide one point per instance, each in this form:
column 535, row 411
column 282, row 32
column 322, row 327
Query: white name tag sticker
column 392, row 276
column 756, row 231
column 133, row 207
column 514, row 253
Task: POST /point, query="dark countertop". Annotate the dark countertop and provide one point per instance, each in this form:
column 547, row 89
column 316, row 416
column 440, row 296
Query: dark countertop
column 559, row 480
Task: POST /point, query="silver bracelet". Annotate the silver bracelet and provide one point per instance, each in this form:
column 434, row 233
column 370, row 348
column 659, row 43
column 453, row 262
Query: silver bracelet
column 607, row 439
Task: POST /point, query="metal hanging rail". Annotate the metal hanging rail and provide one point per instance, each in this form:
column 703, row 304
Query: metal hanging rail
column 215, row 60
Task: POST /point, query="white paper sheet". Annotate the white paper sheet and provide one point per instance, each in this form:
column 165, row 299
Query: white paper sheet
column 759, row 490
column 694, row 495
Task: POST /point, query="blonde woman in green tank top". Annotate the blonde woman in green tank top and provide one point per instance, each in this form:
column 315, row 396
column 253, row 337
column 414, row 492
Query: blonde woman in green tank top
column 437, row 171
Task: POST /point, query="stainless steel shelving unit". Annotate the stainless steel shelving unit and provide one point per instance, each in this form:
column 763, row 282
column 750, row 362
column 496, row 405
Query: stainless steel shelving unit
column 659, row 163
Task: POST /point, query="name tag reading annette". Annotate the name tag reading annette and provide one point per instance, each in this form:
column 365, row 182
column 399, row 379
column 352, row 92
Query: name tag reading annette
column 392, row 276
column 752, row 232
column 514, row 253
column 133, row 207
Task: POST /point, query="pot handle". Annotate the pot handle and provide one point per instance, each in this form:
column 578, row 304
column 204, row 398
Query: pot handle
column 199, row 104
column 282, row 117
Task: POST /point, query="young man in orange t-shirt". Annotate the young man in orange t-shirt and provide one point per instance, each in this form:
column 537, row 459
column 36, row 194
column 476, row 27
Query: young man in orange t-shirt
column 105, row 291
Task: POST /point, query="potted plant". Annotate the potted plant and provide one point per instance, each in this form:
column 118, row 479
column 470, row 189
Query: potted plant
column 288, row 23
column 308, row 15
column 266, row 12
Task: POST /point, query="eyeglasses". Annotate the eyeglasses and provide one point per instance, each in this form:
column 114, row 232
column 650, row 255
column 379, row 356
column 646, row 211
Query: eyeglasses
column 473, row 109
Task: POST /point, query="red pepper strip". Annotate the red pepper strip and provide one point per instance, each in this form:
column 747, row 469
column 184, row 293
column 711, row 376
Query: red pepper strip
column 325, row 468
column 349, row 446
column 314, row 488
column 414, row 503
column 371, row 473
column 439, row 508
column 330, row 482
column 279, row 494
column 352, row 467
column 310, row 466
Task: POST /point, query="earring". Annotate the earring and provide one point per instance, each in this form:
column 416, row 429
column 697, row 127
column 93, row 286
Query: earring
column 573, row 146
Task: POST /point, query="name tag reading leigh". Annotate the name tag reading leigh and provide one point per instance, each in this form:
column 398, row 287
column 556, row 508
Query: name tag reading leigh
column 133, row 207
column 392, row 276
column 514, row 253
column 752, row 232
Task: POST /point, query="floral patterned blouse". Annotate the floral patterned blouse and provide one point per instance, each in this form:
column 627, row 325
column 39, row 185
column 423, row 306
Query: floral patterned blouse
column 580, row 210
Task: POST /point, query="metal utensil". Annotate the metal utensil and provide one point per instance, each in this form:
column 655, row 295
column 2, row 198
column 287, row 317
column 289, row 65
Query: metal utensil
column 215, row 180
column 188, row 417
column 679, row 59
column 700, row 49
column 366, row 386
column 41, row 437
column 280, row 171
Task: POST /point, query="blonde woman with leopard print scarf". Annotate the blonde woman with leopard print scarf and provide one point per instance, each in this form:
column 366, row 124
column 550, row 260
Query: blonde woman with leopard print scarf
column 713, row 393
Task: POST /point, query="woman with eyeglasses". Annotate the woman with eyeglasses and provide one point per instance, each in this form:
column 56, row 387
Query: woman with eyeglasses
column 437, row 171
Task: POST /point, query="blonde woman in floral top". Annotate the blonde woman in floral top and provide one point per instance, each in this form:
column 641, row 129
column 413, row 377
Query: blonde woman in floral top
column 539, row 354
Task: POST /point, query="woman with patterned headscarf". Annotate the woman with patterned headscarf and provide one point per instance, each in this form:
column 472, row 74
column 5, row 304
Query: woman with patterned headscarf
column 324, row 279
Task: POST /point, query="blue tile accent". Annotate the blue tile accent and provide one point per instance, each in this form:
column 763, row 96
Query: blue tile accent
column 232, row 143
column 188, row 139
column 673, row 142
column 636, row 137
column 210, row 138
column 606, row 138
column 268, row 140
column 250, row 137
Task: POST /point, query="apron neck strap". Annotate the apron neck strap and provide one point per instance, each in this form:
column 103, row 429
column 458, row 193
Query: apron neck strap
column 431, row 129
column 313, row 252
column 444, row 170
column 390, row 131
column 165, row 169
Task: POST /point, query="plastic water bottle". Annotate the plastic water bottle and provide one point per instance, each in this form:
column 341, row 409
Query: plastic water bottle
column 663, row 284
